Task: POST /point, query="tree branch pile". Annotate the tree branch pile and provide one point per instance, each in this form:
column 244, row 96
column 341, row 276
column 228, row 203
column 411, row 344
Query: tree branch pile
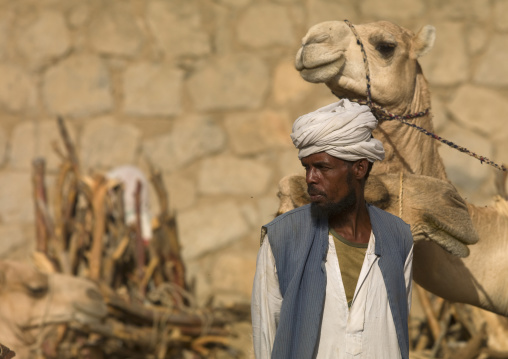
column 455, row 330
column 152, row 312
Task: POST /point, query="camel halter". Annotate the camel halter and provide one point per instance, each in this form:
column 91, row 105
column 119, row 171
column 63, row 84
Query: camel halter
column 382, row 114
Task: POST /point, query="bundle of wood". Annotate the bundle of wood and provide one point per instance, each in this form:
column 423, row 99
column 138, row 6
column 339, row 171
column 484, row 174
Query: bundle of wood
column 151, row 310
column 455, row 330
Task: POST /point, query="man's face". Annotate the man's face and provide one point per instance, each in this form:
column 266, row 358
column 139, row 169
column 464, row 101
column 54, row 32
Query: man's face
column 330, row 183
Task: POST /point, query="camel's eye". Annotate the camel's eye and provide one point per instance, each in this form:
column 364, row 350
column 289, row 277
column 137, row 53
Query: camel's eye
column 386, row 49
column 37, row 288
column 38, row 292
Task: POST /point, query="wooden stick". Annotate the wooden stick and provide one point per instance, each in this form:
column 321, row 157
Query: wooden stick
column 99, row 191
column 427, row 308
column 198, row 345
column 171, row 255
column 120, row 249
column 71, row 150
column 134, row 335
column 39, row 195
column 156, row 314
column 154, row 262
column 140, row 248
column 472, row 348
column 160, row 190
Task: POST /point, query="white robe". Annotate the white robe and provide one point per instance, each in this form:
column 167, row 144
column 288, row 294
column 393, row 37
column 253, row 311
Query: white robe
column 364, row 331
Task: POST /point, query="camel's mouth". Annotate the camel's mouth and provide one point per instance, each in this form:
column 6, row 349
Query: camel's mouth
column 90, row 313
column 322, row 73
column 312, row 63
column 318, row 64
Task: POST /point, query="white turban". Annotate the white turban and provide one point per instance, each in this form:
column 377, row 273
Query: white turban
column 342, row 129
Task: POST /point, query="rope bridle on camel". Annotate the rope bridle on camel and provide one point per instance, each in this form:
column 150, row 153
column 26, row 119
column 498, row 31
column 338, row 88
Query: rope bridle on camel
column 382, row 114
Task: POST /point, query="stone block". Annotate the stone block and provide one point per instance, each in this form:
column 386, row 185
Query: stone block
column 18, row 241
column 5, row 37
column 500, row 11
column 231, row 82
column 234, row 272
column 182, row 192
column 466, row 172
column 191, row 138
column 18, row 91
column 265, row 24
column 457, row 10
column 288, row 85
column 262, row 210
column 34, row 139
column 209, row 227
column 502, row 151
column 324, row 10
column 77, row 87
column 79, row 15
column 455, row 69
column 235, row 3
column 44, row 38
column 16, row 192
column 177, row 27
column 152, row 90
column 480, row 109
column 115, row 31
column 480, row 10
column 477, row 38
column 440, row 116
column 106, row 143
column 392, row 9
column 258, row 132
column 229, row 175
column 200, row 276
column 250, row 212
column 289, row 163
column 298, row 15
column 222, row 40
column 493, row 67
column 3, row 146
column 267, row 207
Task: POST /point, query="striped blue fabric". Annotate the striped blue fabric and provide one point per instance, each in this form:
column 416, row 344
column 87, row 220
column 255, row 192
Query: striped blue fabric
column 299, row 244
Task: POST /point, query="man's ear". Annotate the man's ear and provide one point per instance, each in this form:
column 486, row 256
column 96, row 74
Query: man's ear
column 360, row 168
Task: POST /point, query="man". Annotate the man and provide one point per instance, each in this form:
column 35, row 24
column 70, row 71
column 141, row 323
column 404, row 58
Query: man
column 333, row 278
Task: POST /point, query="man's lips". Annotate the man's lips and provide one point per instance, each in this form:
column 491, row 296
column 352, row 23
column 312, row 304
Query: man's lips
column 316, row 195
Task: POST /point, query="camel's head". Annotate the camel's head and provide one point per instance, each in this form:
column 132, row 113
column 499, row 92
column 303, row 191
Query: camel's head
column 330, row 54
column 33, row 304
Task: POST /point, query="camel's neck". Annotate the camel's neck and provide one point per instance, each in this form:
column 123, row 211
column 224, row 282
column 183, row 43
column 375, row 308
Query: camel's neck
column 407, row 149
column 472, row 280
column 488, row 256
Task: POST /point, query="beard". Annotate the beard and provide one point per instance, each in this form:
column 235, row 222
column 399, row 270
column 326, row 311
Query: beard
column 337, row 209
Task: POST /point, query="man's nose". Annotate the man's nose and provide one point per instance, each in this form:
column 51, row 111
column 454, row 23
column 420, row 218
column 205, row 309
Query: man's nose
column 310, row 176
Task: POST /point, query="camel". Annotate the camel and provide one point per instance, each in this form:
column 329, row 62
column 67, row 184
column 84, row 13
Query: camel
column 34, row 304
column 447, row 265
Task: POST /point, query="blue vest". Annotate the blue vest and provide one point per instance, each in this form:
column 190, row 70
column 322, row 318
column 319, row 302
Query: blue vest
column 299, row 243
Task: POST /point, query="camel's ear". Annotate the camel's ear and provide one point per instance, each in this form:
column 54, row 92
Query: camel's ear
column 423, row 41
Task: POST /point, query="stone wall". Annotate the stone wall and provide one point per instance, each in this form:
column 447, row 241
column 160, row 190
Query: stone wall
column 207, row 91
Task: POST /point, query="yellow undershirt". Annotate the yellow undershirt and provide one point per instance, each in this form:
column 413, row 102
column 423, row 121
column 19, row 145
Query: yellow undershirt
column 350, row 256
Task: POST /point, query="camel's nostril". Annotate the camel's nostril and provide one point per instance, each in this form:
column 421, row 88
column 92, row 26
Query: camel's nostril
column 316, row 39
column 93, row 294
